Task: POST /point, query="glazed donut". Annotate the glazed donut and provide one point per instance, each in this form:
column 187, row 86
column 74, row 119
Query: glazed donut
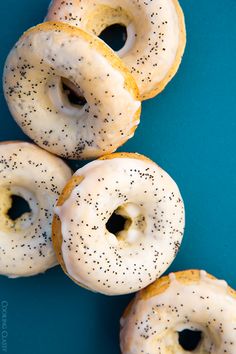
column 51, row 56
column 190, row 301
column 122, row 261
column 38, row 177
column 156, row 34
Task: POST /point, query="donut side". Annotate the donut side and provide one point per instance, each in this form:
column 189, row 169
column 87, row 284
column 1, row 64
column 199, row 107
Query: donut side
column 130, row 155
column 173, row 70
column 57, row 238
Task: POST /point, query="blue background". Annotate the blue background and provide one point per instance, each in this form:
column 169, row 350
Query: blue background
column 190, row 131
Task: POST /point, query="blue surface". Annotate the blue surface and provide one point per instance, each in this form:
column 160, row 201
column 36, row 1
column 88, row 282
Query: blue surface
column 190, row 131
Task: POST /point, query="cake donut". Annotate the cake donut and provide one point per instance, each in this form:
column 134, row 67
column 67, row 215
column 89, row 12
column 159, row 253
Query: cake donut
column 37, row 177
column 109, row 261
column 70, row 93
column 191, row 302
column 155, row 29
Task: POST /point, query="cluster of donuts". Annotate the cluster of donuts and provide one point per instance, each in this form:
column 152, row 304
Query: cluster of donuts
column 116, row 224
column 76, row 97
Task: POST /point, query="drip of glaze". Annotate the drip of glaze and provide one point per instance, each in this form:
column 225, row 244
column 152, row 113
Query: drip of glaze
column 172, row 277
column 222, row 283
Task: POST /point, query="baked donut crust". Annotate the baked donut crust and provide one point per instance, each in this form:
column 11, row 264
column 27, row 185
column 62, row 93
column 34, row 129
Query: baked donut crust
column 39, row 103
column 94, row 17
column 170, row 287
column 57, row 238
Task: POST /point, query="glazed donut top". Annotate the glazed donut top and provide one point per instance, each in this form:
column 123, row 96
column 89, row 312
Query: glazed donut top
column 38, row 177
column 146, row 196
column 155, row 34
column 190, row 300
column 51, row 53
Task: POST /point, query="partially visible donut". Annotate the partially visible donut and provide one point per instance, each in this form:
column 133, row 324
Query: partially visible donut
column 155, row 34
column 70, row 93
column 123, row 261
column 38, row 177
column 188, row 303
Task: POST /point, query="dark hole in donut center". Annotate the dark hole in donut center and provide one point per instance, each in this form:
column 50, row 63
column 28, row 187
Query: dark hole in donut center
column 72, row 93
column 189, row 340
column 115, row 36
column 19, row 207
column 116, row 223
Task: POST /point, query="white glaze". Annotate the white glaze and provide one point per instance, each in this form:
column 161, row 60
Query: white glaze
column 61, row 102
column 38, row 177
column 152, row 325
column 153, row 33
column 45, row 114
column 117, row 265
column 129, row 41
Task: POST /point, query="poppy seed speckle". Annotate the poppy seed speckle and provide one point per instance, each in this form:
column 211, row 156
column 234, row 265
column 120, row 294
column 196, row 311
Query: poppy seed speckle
column 50, row 65
column 190, row 300
column 155, row 34
column 38, row 177
column 151, row 204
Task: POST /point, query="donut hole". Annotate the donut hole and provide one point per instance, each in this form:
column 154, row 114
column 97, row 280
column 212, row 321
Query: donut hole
column 73, row 93
column 116, row 223
column 115, row 36
column 189, row 339
column 127, row 223
column 19, row 207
